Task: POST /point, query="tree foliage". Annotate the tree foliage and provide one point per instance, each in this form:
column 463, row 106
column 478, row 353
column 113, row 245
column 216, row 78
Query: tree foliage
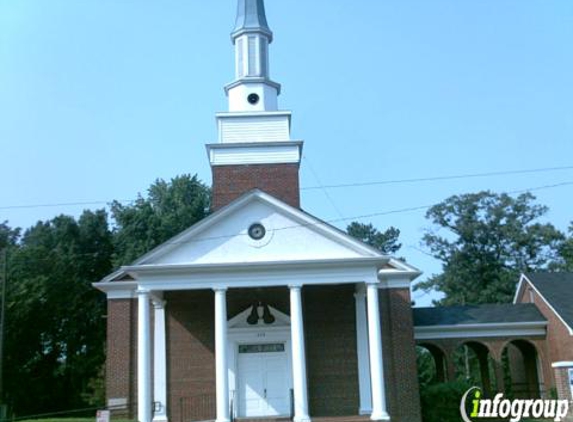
column 169, row 208
column 55, row 326
column 55, row 329
column 484, row 241
column 386, row 242
column 566, row 253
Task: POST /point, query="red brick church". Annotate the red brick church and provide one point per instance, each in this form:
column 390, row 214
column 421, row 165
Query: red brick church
column 261, row 310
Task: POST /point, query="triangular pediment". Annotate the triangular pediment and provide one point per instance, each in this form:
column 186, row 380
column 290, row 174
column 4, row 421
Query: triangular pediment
column 290, row 235
column 254, row 316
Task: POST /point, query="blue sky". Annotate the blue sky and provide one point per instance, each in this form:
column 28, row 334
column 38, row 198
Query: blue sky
column 100, row 98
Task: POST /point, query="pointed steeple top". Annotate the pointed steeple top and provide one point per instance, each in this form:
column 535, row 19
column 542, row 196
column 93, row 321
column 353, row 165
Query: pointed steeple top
column 251, row 17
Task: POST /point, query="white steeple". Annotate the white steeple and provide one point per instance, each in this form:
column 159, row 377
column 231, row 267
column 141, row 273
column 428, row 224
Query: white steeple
column 254, row 148
column 252, row 89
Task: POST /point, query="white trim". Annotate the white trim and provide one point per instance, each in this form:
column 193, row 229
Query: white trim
column 362, row 352
column 563, row 364
column 296, row 214
column 221, row 362
column 400, row 266
column 569, row 328
column 242, row 316
column 516, row 329
column 377, row 381
column 159, row 361
column 144, row 392
column 208, row 278
column 519, row 285
column 121, row 294
column 395, row 283
column 375, row 261
column 299, row 374
column 231, row 154
column 254, row 114
column 257, row 334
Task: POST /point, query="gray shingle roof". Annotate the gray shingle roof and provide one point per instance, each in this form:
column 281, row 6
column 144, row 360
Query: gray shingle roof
column 557, row 289
column 477, row 314
column 251, row 16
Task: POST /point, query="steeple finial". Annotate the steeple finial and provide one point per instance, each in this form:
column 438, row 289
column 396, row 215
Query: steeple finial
column 251, row 17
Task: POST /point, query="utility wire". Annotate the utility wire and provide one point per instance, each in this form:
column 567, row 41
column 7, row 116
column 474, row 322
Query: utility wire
column 326, row 194
column 323, row 187
column 332, row 221
column 440, row 178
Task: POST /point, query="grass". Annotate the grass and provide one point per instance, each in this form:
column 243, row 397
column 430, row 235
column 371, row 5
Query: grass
column 73, row 420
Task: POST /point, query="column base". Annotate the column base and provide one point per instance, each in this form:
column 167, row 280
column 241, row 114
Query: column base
column 301, row 419
column 365, row 411
column 382, row 416
column 160, row 418
column 222, row 420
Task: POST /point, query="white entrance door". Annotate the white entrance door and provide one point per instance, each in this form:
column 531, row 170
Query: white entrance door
column 263, row 387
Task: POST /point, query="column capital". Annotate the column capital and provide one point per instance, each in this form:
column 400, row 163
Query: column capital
column 360, row 289
column 158, row 303
column 295, row 286
column 220, row 289
column 142, row 291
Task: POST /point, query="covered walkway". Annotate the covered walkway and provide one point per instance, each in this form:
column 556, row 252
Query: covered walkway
column 500, row 347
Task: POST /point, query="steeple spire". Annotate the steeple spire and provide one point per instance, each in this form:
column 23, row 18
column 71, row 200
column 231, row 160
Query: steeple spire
column 251, row 17
column 252, row 89
column 254, row 149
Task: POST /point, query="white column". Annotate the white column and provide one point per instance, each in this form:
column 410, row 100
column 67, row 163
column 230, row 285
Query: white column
column 159, row 362
column 379, row 411
column 144, row 398
column 298, row 356
column 222, row 375
column 362, row 352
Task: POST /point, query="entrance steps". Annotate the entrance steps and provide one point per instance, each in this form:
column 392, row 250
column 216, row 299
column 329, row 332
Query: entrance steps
column 355, row 418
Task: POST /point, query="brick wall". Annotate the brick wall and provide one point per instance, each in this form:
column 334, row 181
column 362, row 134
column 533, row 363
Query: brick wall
column 190, row 321
column 332, row 363
column 121, row 354
column 562, row 383
column 558, row 337
column 330, row 320
column 278, row 180
column 400, row 368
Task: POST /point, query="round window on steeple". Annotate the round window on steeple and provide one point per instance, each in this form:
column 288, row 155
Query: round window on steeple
column 253, row 99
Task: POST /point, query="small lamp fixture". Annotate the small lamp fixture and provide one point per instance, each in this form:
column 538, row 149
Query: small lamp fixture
column 268, row 318
column 253, row 318
column 260, row 311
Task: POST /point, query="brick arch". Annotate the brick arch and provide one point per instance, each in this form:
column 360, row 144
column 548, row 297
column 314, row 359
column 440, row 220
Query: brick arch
column 524, row 368
column 440, row 360
column 483, row 352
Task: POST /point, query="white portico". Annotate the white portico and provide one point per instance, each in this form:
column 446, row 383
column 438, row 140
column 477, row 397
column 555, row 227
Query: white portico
column 250, row 353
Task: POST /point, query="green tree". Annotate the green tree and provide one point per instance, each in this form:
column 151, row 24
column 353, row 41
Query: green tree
column 169, row 208
column 489, row 239
column 8, row 236
column 566, row 253
column 55, row 327
column 55, row 332
column 386, row 242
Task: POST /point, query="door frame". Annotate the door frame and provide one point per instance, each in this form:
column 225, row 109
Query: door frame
column 258, row 334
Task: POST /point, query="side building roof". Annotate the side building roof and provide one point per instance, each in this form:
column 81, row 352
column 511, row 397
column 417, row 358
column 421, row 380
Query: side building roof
column 557, row 290
column 477, row 314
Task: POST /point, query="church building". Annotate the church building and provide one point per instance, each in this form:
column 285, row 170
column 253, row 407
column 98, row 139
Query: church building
column 260, row 310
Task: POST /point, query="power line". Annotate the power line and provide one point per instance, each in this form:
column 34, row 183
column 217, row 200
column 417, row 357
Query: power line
column 440, row 178
column 322, row 187
column 326, row 194
column 332, row 221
